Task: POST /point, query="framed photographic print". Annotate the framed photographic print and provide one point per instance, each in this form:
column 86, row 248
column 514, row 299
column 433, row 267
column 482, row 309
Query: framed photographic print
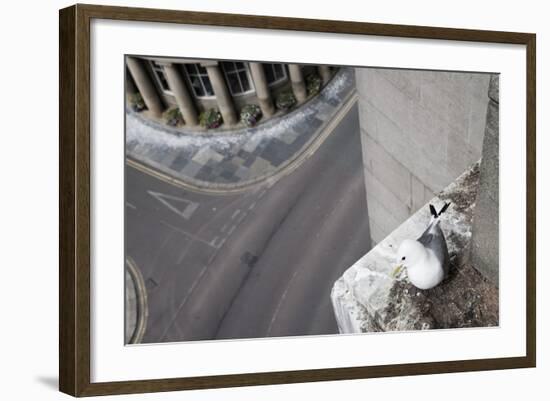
column 251, row 200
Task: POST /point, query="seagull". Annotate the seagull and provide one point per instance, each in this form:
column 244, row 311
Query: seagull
column 427, row 258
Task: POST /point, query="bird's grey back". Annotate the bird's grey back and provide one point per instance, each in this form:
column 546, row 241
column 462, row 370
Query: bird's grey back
column 434, row 239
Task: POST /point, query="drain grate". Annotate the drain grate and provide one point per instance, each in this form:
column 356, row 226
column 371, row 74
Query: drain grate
column 249, row 259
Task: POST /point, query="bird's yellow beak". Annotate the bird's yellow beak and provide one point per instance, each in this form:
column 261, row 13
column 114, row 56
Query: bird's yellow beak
column 397, row 270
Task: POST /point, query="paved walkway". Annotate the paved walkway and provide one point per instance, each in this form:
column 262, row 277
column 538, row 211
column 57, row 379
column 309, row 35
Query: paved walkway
column 237, row 158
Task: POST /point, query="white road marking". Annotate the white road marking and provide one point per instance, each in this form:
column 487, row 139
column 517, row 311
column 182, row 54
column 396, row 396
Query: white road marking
column 131, row 206
column 231, row 230
column 252, row 206
column 241, row 218
column 235, row 214
column 281, row 301
column 171, row 201
column 193, row 237
column 213, row 242
column 224, row 227
column 217, row 242
column 212, row 257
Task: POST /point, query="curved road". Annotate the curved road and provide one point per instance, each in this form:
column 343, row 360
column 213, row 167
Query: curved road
column 256, row 264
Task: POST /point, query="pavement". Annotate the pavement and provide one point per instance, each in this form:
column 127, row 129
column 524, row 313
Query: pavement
column 250, row 264
column 136, row 307
column 231, row 159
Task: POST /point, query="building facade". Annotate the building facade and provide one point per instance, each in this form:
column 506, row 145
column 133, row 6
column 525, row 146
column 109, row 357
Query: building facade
column 194, row 86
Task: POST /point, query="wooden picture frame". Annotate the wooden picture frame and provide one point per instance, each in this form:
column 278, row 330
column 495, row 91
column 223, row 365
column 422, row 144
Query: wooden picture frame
column 74, row 203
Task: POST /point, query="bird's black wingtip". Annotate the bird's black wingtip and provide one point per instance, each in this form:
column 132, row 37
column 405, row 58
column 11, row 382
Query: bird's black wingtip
column 445, row 207
column 433, row 211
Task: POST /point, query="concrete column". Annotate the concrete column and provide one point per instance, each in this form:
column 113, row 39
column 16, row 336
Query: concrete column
column 298, row 85
column 145, row 86
column 183, row 98
column 223, row 97
column 324, row 72
column 130, row 85
column 262, row 90
column 485, row 234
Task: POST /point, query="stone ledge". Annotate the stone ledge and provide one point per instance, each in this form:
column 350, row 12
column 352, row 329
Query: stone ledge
column 368, row 298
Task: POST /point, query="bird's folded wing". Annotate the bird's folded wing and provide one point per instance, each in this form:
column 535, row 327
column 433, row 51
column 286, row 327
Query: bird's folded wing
column 434, row 239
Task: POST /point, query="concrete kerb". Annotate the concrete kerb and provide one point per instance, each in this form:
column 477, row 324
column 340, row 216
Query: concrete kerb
column 142, row 307
column 286, row 167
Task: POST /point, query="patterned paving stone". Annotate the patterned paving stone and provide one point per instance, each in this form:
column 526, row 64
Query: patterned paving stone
column 276, row 152
column 180, row 162
column 205, row 154
column 290, row 136
column 237, row 156
column 169, row 158
column 191, row 169
column 242, row 172
column 259, row 167
column 157, row 155
column 205, row 174
column 250, row 146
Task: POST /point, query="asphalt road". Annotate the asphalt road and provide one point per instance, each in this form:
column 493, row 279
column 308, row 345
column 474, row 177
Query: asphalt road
column 255, row 264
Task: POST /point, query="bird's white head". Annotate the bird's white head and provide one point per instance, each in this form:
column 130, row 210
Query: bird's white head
column 410, row 252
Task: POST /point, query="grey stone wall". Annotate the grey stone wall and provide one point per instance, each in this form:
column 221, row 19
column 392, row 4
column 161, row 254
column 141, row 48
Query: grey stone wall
column 485, row 230
column 419, row 131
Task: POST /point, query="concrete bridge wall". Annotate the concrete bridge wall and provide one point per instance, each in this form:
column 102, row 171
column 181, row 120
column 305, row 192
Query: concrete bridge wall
column 419, row 131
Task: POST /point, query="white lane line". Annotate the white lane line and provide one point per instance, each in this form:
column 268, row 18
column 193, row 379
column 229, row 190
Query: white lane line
column 281, row 301
column 252, row 206
column 218, row 244
column 212, row 257
column 213, row 242
column 184, row 301
column 189, row 292
column 241, row 218
column 235, row 214
column 232, row 229
column 224, row 227
column 262, row 193
column 131, row 206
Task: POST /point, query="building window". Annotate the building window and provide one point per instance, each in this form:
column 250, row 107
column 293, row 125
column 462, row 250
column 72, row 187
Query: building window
column 158, row 71
column 274, row 73
column 198, row 78
column 237, row 77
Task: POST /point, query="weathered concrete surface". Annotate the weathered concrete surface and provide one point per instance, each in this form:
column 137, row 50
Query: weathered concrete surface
column 485, row 231
column 368, row 298
column 419, row 131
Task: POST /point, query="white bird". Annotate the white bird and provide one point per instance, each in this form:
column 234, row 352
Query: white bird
column 427, row 258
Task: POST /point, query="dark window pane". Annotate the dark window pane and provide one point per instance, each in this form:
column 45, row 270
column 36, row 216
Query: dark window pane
column 239, row 66
column 244, row 81
column 278, row 71
column 268, row 68
column 201, row 69
column 162, row 80
column 233, row 83
column 207, row 86
column 197, row 87
column 228, row 66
